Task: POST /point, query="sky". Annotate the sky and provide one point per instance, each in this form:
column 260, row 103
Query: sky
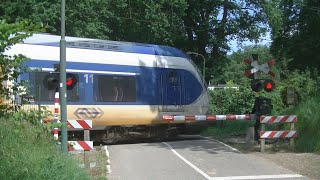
column 265, row 40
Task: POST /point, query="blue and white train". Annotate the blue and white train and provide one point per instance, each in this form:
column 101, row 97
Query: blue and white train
column 120, row 84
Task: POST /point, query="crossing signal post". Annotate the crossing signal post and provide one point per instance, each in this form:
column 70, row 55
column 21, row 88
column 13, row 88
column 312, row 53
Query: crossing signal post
column 52, row 81
column 262, row 105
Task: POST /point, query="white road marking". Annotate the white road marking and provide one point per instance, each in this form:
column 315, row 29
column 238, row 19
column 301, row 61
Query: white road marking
column 108, row 161
column 188, row 162
column 279, row 176
column 234, row 149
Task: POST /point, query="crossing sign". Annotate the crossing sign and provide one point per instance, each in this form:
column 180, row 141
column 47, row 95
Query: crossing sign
column 256, row 67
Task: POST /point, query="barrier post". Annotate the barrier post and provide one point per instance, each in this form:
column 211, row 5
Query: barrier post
column 86, row 154
column 291, row 139
column 263, row 141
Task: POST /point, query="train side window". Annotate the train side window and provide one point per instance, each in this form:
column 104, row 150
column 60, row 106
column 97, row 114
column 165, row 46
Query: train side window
column 115, row 88
column 36, row 83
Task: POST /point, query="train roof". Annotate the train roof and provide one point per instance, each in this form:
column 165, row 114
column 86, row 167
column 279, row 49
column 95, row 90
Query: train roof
column 105, row 45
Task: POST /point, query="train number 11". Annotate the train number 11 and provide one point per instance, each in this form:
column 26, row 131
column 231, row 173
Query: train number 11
column 88, row 77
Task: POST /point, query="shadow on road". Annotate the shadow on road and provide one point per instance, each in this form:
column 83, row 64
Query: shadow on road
column 190, row 142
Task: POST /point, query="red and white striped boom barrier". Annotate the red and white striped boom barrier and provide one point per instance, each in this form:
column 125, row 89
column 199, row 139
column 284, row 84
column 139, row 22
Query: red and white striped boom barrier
column 231, row 117
column 277, row 134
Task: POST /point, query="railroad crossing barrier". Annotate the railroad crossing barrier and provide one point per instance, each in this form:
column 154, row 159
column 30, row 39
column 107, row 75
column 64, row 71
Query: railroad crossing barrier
column 231, row 117
column 277, row 134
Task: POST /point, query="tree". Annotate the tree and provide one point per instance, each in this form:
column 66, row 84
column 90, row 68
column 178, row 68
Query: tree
column 215, row 23
column 190, row 25
column 296, row 38
column 11, row 66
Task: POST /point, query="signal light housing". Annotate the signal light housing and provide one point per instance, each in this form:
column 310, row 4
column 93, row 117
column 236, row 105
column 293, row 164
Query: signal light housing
column 52, row 80
column 257, row 85
column 263, row 106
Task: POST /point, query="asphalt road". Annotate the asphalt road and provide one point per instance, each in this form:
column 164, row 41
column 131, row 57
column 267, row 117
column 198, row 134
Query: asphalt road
column 195, row 158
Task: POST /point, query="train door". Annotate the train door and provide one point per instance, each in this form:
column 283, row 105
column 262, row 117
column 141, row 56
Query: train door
column 172, row 91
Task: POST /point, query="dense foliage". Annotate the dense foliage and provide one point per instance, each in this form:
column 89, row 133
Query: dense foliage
column 295, row 30
column 27, row 150
column 308, row 125
column 10, row 66
column 190, row 25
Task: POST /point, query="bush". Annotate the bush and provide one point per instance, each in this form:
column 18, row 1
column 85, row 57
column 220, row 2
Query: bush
column 29, row 152
column 230, row 128
column 308, row 125
column 305, row 83
column 231, row 101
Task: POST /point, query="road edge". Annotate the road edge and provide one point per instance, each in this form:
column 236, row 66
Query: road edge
column 108, row 166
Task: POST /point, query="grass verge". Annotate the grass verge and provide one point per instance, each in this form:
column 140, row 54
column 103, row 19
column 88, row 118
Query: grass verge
column 97, row 159
column 228, row 128
column 308, row 125
column 29, row 152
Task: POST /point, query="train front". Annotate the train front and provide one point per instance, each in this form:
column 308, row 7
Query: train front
column 183, row 91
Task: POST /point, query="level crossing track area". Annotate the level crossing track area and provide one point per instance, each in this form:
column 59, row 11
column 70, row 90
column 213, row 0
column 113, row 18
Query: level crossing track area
column 192, row 157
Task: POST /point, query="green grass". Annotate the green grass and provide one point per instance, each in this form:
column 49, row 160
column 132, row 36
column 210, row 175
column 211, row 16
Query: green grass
column 29, row 152
column 229, row 128
column 308, row 125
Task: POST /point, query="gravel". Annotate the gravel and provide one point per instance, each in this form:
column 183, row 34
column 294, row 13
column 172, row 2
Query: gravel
column 306, row 164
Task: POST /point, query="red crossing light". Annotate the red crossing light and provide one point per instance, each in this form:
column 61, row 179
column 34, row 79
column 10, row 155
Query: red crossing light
column 268, row 85
column 71, row 81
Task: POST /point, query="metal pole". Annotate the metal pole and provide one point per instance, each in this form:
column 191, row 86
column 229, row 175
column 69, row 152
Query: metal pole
column 204, row 69
column 63, row 89
column 39, row 105
column 204, row 64
column 255, row 57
